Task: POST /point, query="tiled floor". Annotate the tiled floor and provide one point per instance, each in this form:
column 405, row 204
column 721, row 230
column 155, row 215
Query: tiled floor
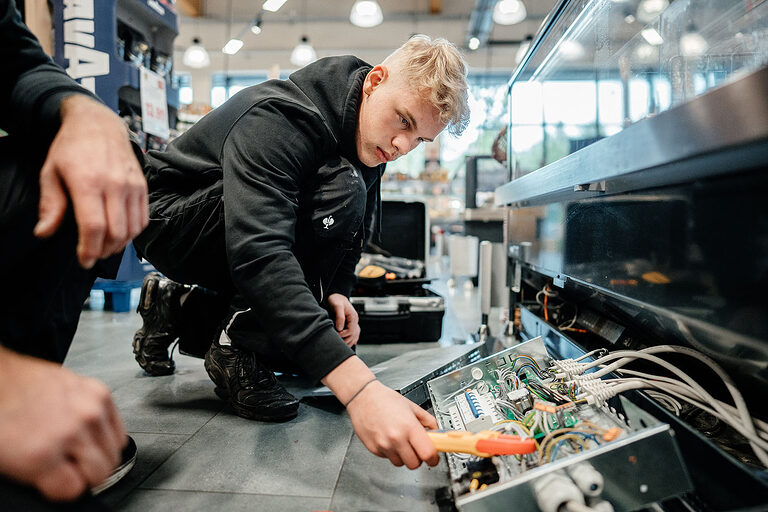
column 195, row 454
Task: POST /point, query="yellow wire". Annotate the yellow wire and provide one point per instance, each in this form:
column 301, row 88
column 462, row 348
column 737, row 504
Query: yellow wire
column 570, row 437
column 525, row 429
column 559, row 431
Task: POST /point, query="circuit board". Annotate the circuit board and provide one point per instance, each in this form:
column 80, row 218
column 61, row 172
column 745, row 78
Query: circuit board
column 587, row 453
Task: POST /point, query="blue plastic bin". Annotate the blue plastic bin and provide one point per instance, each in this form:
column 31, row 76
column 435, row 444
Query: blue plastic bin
column 129, row 276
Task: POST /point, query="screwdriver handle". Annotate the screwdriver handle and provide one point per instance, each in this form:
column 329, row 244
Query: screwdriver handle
column 482, row 444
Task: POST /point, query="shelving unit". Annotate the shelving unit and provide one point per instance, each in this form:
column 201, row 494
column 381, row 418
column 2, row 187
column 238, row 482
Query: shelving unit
column 103, row 45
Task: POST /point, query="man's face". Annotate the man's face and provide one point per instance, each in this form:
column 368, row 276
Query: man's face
column 393, row 118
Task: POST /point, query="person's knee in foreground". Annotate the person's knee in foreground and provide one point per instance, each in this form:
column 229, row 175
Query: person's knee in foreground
column 268, row 201
column 60, row 433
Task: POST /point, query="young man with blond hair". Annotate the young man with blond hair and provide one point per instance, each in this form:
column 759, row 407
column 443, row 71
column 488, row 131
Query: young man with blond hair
column 268, row 201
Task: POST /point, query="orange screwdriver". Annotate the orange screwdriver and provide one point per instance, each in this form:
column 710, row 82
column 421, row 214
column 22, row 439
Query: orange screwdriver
column 486, row 443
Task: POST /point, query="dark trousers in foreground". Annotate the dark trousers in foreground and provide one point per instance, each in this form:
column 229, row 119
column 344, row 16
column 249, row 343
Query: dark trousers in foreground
column 43, row 288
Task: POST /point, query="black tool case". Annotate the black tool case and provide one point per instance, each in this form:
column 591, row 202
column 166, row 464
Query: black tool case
column 400, row 310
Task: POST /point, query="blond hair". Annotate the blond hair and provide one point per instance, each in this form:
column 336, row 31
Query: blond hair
column 437, row 70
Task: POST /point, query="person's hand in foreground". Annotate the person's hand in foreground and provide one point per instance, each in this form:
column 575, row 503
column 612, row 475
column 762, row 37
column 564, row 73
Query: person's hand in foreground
column 91, row 161
column 59, row 432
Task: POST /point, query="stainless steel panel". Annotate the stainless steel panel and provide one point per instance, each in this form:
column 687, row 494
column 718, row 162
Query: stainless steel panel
column 408, row 372
column 639, row 469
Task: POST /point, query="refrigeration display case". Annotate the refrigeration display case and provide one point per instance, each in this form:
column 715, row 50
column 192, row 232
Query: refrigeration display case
column 636, row 210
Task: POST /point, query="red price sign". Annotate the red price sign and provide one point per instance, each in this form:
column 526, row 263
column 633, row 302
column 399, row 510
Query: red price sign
column 154, row 109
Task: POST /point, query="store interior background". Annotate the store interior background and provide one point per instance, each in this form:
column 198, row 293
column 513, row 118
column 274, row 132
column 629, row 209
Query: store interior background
column 194, row 453
column 433, row 173
column 575, row 109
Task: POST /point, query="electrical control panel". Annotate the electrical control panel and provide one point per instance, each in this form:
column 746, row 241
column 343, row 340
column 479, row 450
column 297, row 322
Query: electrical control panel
column 588, row 453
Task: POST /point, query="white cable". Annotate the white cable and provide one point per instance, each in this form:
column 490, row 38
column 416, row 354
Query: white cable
column 575, row 506
column 590, row 354
column 761, row 425
column 667, row 401
column 758, row 444
column 738, row 399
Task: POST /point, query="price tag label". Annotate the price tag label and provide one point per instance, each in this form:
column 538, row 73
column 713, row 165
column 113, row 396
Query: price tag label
column 154, row 106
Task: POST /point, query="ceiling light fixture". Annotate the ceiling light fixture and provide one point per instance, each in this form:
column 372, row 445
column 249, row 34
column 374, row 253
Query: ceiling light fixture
column 648, row 10
column 509, row 12
column 652, row 35
column 303, row 53
column 256, row 27
column 474, row 43
column 572, row 50
column 692, row 43
column 196, row 56
column 273, row 5
column 366, row 14
column 233, row 46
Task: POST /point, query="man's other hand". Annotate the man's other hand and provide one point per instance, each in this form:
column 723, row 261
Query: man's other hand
column 59, row 432
column 91, row 160
column 345, row 318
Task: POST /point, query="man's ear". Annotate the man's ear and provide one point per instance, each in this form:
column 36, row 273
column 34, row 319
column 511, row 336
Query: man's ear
column 375, row 77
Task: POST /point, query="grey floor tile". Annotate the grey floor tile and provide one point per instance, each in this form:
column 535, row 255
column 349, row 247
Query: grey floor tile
column 175, row 404
column 153, row 450
column 301, row 457
column 194, row 454
column 190, row 501
column 373, row 484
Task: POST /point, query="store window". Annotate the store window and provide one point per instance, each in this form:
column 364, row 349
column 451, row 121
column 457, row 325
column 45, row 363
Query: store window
column 224, row 86
column 183, row 83
column 488, row 115
column 553, row 118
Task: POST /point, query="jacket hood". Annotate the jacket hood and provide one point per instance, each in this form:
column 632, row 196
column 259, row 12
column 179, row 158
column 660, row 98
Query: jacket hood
column 334, row 85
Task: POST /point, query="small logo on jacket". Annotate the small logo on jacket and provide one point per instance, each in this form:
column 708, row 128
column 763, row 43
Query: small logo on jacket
column 328, row 222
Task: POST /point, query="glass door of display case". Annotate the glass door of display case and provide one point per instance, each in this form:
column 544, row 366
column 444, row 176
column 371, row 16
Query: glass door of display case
column 638, row 156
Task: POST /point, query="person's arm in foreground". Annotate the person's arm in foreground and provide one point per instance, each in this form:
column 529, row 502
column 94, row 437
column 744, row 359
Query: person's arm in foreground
column 59, row 432
column 90, row 158
column 92, row 161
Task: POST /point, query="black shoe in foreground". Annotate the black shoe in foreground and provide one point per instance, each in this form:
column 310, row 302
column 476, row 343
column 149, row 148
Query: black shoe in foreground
column 158, row 306
column 128, row 460
column 251, row 389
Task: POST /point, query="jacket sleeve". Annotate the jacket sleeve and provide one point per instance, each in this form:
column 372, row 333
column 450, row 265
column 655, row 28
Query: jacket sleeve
column 265, row 160
column 31, row 85
column 345, row 277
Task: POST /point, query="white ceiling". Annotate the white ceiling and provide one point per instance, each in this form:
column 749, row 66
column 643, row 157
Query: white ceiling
column 326, row 24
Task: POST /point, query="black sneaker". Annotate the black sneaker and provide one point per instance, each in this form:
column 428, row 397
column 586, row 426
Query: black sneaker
column 250, row 388
column 128, row 460
column 159, row 306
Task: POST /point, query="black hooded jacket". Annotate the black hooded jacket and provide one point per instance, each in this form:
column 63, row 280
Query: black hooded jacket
column 282, row 157
column 32, row 87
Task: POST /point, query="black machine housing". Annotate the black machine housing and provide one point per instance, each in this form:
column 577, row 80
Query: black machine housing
column 657, row 235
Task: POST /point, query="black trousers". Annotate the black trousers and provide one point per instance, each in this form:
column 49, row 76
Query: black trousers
column 43, row 286
column 185, row 241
